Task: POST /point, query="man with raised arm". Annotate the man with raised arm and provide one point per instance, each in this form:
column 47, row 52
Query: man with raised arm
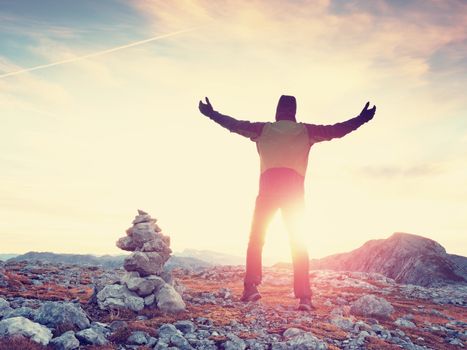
column 283, row 148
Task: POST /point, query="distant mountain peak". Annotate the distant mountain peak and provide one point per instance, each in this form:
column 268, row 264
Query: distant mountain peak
column 417, row 243
column 405, row 257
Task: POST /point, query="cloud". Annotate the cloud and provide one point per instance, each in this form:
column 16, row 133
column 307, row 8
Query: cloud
column 29, row 91
column 67, row 58
column 400, row 172
column 342, row 45
column 29, row 26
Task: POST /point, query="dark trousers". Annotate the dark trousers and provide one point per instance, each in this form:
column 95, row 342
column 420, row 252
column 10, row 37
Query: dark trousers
column 280, row 188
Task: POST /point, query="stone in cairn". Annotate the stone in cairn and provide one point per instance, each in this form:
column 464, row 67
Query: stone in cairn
column 142, row 285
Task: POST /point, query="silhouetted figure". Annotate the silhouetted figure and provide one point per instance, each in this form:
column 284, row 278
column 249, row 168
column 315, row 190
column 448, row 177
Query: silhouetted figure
column 283, row 147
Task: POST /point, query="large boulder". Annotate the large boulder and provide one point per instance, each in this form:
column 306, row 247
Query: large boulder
column 371, row 306
column 168, row 300
column 145, row 263
column 57, row 314
column 118, row 296
column 21, row 326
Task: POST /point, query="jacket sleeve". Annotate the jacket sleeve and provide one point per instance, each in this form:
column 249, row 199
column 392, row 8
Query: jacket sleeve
column 318, row 133
column 252, row 130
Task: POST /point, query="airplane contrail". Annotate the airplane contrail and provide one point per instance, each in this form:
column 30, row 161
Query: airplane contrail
column 94, row 54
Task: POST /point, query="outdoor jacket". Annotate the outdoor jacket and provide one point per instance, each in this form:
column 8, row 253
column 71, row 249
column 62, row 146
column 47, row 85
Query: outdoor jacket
column 283, row 146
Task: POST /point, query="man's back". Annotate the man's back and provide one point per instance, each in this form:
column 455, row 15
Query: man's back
column 284, row 144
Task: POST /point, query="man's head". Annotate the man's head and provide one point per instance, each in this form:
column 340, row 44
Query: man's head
column 286, row 108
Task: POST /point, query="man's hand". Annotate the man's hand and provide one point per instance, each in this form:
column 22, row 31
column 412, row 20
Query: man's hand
column 368, row 113
column 206, row 108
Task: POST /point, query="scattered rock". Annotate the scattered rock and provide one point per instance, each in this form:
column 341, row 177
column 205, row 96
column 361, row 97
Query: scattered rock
column 118, row 325
column 55, row 314
column 185, row 326
column 180, row 342
column 168, row 300
column 306, row 340
column 91, row 337
column 402, row 322
column 234, row 343
column 251, row 326
column 21, row 311
column 344, row 323
column 4, row 307
column 292, row 332
column 3, row 278
column 4, row 304
column 149, row 300
column 67, row 341
column 298, row 339
column 117, row 296
column 371, row 306
column 167, row 330
column 138, row 338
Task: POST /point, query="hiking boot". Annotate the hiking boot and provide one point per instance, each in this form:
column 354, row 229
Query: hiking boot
column 305, row 304
column 250, row 293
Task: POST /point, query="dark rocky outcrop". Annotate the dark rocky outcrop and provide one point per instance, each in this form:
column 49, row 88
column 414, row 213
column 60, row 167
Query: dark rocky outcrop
column 404, row 257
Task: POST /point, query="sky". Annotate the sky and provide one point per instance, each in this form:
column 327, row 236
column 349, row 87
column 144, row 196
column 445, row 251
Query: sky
column 87, row 142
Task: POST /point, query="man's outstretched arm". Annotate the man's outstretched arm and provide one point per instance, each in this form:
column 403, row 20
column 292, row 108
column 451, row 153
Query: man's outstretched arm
column 319, row 133
column 245, row 128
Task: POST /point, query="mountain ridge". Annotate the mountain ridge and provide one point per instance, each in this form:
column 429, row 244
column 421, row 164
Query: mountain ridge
column 405, row 257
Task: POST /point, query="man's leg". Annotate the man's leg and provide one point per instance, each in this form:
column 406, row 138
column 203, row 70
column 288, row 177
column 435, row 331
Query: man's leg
column 293, row 214
column 265, row 208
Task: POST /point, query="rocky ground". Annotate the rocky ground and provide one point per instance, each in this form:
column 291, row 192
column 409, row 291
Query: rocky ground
column 51, row 304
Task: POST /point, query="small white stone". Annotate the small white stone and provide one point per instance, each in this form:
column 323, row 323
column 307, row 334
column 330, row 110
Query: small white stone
column 24, row 327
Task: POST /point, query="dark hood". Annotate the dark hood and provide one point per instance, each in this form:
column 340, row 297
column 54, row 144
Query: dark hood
column 286, row 108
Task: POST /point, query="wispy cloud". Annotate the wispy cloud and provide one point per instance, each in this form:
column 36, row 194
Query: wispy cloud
column 28, row 91
column 28, row 26
column 400, row 172
column 93, row 54
column 373, row 44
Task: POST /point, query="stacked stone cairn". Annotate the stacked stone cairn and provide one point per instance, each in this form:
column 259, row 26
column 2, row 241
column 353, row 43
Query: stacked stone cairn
column 145, row 284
